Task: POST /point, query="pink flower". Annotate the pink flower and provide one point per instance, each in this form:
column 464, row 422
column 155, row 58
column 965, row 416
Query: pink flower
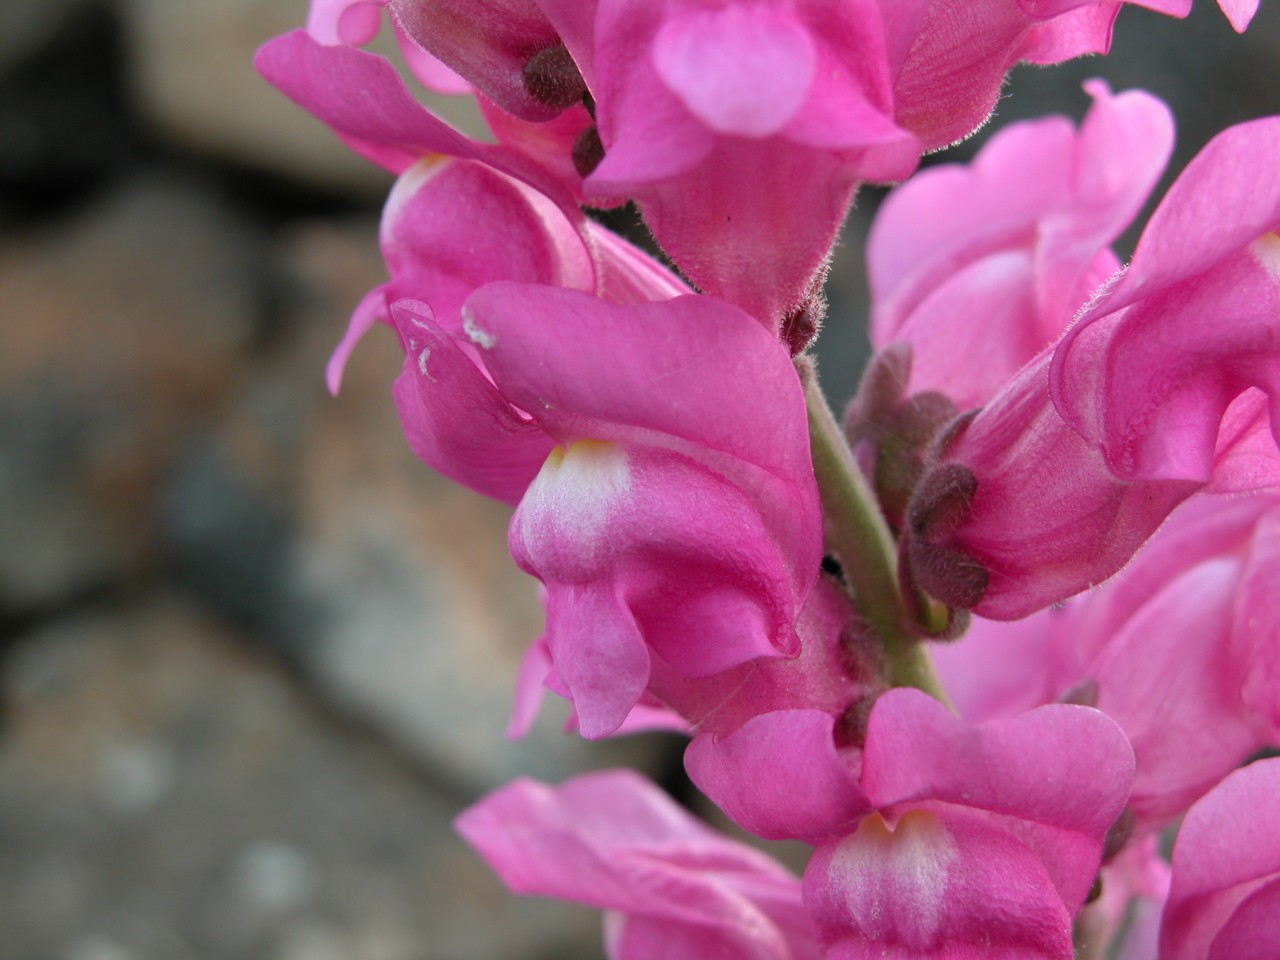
column 451, row 226
column 949, row 81
column 660, row 458
column 980, row 267
column 673, row 887
column 1142, row 374
column 1019, row 511
column 741, row 130
column 1224, row 903
column 985, row 842
column 1181, row 649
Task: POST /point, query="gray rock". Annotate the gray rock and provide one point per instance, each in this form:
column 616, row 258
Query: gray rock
column 274, row 833
column 124, row 326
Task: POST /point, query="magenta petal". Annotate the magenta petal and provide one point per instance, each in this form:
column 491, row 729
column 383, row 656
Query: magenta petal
column 599, row 655
column 780, row 776
column 454, row 419
column 1257, row 622
column 1137, row 372
column 364, row 100
column 1227, row 848
column 942, row 886
column 1254, row 928
column 1061, row 767
column 952, row 76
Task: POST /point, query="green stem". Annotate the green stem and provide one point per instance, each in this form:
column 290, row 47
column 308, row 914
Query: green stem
column 857, row 534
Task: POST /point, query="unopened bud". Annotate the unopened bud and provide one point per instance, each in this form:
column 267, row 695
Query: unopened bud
column 551, row 77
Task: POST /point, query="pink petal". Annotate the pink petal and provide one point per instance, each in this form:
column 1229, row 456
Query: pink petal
column 1254, row 928
column 352, row 22
column 952, row 76
column 822, row 677
column 363, row 99
column 1228, row 847
column 454, row 419
column 615, row 841
column 1149, row 382
column 1047, row 518
column 599, row 655
column 1239, row 12
column 780, row 776
column 741, row 70
column 943, row 886
column 1063, row 770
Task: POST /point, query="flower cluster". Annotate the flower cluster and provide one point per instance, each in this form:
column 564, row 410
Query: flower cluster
column 721, row 557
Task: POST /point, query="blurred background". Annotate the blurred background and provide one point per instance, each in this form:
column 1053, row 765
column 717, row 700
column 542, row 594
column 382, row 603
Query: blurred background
column 253, row 656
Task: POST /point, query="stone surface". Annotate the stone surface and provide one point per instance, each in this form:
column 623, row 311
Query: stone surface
column 164, row 794
column 124, row 325
column 308, row 519
column 191, row 63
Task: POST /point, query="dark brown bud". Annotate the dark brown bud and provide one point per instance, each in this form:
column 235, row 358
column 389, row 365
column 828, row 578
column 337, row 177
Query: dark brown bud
column 800, row 327
column 551, row 77
column 588, row 151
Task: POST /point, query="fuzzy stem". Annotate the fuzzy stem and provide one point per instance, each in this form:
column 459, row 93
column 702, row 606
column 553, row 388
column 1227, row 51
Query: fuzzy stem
column 856, row 533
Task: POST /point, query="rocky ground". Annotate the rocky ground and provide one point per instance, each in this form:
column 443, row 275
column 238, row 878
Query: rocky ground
column 254, row 656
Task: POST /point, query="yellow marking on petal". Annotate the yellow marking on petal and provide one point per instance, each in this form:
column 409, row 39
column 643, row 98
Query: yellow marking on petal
column 573, row 497
column 1266, row 250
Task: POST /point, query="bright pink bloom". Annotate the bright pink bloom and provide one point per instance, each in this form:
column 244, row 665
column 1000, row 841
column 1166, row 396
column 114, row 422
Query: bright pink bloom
column 986, row 840
column 980, row 267
column 673, row 887
column 741, row 130
column 1142, row 373
column 660, row 457
column 1224, row 903
column 1182, row 650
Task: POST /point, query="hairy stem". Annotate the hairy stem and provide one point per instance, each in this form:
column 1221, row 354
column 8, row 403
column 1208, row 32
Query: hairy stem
column 856, row 533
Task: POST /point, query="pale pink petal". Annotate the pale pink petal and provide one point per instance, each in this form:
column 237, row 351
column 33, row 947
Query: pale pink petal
column 352, row 22
column 742, row 70
column 1239, row 12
